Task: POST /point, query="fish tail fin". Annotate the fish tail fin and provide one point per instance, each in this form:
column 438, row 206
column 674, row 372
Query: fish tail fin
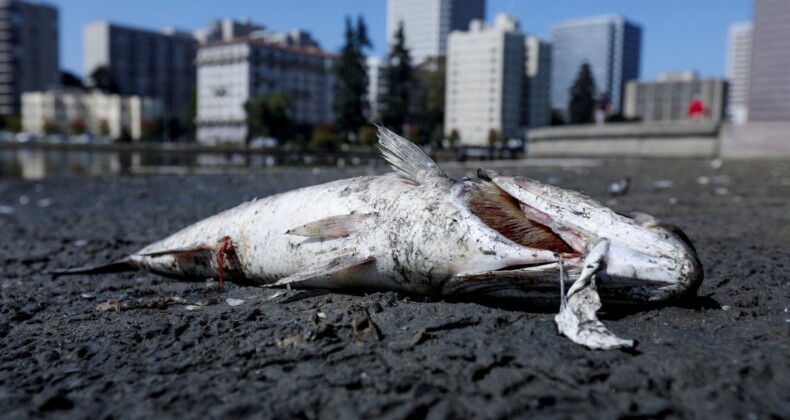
column 118, row 266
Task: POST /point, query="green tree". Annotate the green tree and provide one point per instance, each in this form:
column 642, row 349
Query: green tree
column 51, row 127
column 149, row 128
column 428, row 101
column 104, row 128
column 11, row 123
column 454, row 137
column 268, row 115
column 351, row 86
column 68, row 79
column 101, row 78
column 77, row 126
column 190, row 114
column 580, row 108
column 396, row 100
column 324, row 139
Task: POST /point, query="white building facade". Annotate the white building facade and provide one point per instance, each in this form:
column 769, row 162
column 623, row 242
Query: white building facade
column 231, row 73
column 497, row 82
column 739, row 59
column 100, row 113
column 428, row 23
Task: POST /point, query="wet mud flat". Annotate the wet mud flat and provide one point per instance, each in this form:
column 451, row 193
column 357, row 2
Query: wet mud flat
column 138, row 345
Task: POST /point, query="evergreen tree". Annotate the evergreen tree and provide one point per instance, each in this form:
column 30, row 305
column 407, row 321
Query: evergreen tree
column 428, row 100
column 351, row 87
column 397, row 96
column 580, row 109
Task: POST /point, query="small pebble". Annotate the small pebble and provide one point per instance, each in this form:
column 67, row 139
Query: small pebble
column 193, row 307
column 234, row 302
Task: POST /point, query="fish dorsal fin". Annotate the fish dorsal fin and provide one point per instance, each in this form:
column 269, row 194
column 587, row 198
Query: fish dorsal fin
column 330, row 227
column 406, row 158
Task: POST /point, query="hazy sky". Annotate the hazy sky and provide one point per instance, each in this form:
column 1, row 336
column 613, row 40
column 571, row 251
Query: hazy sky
column 677, row 34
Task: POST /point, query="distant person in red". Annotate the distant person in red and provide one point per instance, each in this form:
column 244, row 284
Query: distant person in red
column 697, row 109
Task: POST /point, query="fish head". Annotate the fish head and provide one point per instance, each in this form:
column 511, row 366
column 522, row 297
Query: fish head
column 647, row 260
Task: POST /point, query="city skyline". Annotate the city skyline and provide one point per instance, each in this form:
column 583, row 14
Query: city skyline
column 695, row 39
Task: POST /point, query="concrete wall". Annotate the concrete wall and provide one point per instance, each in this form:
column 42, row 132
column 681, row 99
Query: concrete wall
column 763, row 140
column 698, row 140
column 754, row 140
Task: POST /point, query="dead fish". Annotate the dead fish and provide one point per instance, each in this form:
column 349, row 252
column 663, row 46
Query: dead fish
column 422, row 232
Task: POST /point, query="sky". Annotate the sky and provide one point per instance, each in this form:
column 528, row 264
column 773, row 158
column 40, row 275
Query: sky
column 676, row 34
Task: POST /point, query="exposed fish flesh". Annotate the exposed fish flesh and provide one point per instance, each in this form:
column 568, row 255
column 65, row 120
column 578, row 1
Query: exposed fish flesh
column 420, row 231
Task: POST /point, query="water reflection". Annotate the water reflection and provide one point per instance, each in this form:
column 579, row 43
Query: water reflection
column 33, row 164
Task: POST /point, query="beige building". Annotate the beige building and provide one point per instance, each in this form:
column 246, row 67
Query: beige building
column 497, row 82
column 668, row 98
column 98, row 112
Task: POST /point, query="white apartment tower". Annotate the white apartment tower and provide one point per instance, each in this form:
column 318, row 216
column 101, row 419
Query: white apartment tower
column 231, row 73
column 28, row 51
column 485, row 72
column 427, row 23
column 739, row 59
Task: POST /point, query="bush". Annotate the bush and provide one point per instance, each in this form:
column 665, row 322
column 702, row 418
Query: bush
column 325, row 139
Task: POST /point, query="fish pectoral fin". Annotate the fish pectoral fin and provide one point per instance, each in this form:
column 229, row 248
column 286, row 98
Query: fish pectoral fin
column 407, row 159
column 331, row 227
column 333, row 266
column 577, row 319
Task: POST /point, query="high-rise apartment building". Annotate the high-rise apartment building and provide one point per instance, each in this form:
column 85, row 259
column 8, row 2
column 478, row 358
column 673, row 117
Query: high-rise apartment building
column 28, row 51
column 142, row 62
column 610, row 44
column 427, row 23
column 497, row 82
column 669, row 96
column 231, row 73
column 739, row 59
column 769, row 77
column 535, row 105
